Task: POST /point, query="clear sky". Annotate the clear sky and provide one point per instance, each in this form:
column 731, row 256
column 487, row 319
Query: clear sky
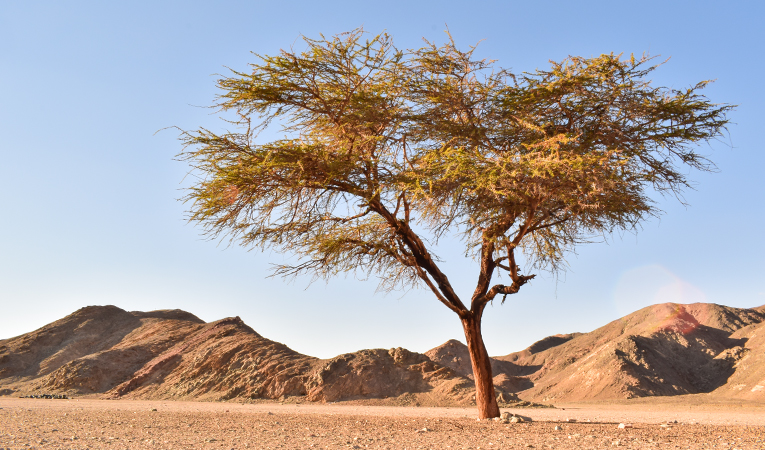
column 88, row 187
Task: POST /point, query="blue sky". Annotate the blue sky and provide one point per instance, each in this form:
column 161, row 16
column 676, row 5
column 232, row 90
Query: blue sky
column 89, row 186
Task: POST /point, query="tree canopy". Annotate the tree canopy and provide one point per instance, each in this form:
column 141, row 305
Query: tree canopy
column 386, row 151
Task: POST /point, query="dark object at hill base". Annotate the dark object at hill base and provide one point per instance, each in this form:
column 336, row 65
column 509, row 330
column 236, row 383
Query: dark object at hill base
column 50, row 396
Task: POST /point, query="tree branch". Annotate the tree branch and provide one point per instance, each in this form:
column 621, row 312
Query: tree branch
column 421, row 256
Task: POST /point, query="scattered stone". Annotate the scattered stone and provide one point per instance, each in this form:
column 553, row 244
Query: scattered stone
column 558, row 428
column 570, row 420
column 422, row 430
column 505, row 415
column 625, row 425
column 153, row 409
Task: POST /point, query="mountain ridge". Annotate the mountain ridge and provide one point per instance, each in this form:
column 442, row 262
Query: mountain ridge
column 666, row 349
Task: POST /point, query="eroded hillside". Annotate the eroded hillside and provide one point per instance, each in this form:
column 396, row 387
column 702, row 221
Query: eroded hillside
column 174, row 355
column 661, row 350
column 666, row 349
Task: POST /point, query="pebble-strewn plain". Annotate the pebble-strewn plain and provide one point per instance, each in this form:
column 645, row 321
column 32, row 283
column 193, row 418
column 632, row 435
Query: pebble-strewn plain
column 105, row 425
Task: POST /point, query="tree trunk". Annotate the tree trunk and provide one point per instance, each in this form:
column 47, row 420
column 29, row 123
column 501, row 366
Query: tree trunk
column 485, row 398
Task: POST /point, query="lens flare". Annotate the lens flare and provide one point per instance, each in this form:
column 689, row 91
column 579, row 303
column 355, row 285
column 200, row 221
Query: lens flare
column 650, row 285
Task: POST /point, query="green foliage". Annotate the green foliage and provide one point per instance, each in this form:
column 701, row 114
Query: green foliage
column 385, row 147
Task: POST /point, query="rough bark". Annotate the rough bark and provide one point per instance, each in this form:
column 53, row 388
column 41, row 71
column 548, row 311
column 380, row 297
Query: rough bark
column 485, row 397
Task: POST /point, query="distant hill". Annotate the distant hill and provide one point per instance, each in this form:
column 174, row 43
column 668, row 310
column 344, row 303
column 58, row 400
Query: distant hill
column 175, row 355
column 667, row 349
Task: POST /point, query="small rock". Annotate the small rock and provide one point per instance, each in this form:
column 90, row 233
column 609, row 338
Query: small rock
column 558, row 428
column 153, row 409
column 625, row 425
column 505, row 415
column 570, row 420
column 422, row 430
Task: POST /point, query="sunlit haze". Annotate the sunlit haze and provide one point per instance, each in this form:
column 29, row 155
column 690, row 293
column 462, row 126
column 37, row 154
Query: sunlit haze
column 89, row 184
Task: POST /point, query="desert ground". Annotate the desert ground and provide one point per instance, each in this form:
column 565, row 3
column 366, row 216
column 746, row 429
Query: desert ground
column 677, row 376
column 655, row 424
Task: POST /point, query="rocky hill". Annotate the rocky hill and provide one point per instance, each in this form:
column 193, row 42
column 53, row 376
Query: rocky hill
column 175, row 355
column 667, row 349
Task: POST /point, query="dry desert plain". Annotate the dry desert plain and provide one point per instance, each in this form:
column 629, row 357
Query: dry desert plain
column 645, row 369
column 685, row 422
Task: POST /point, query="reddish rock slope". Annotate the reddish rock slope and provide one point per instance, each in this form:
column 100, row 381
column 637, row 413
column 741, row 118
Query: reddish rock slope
column 174, row 355
column 748, row 379
column 666, row 349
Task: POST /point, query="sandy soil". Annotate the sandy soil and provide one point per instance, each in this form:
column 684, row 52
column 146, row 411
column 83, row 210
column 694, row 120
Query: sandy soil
column 90, row 423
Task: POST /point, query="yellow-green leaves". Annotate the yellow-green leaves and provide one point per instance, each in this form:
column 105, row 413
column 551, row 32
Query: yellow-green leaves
column 381, row 142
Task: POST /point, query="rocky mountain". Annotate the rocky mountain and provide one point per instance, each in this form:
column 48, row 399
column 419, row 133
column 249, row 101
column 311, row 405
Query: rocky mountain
column 175, row 355
column 667, row 349
column 748, row 378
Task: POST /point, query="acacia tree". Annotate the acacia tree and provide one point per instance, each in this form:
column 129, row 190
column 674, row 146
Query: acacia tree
column 387, row 151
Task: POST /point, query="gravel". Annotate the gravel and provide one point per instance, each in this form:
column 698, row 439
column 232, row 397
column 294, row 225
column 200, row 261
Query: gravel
column 37, row 423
